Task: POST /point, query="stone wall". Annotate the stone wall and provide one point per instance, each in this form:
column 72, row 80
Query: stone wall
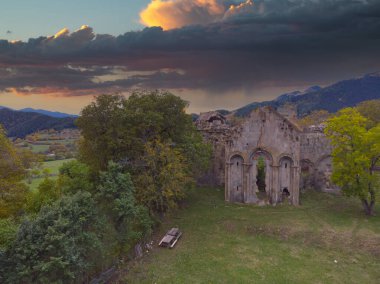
column 293, row 158
column 316, row 162
column 269, row 136
column 216, row 131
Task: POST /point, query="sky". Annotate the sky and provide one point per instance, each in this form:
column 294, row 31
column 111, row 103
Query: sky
column 58, row 55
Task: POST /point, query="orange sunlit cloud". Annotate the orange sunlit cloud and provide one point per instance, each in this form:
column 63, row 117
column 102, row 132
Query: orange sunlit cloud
column 63, row 32
column 170, row 14
column 175, row 13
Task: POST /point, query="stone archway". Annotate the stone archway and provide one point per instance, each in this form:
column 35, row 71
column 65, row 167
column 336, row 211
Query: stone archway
column 236, row 173
column 254, row 193
column 286, row 179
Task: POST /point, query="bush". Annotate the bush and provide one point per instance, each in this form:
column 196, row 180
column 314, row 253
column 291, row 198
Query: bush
column 8, row 230
column 115, row 194
column 62, row 245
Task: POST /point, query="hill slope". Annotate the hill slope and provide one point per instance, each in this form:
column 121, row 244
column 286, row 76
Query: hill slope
column 56, row 114
column 343, row 94
column 20, row 124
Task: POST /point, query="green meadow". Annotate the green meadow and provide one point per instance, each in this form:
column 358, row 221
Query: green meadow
column 53, row 167
column 327, row 239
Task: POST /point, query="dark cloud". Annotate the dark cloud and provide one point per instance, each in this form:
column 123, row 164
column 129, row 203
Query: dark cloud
column 274, row 43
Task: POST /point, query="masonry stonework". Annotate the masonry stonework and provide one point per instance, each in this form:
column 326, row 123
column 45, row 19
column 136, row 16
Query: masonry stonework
column 290, row 158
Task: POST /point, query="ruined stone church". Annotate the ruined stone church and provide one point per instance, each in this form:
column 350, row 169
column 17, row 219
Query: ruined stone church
column 265, row 158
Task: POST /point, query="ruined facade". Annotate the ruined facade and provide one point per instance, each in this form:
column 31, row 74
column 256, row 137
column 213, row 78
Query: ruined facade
column 216, row 131
column 316, row 161
column 265, row 158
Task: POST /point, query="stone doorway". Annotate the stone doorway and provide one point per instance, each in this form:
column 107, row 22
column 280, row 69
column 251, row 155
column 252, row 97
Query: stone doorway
column 261, row 175
column 260, row 178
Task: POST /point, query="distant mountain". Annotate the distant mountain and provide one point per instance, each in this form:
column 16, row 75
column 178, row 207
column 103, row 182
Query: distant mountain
column 343, row 94
column 20, row 124
column 48, row 113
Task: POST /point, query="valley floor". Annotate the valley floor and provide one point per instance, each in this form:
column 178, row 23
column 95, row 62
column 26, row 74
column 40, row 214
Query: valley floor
column 53, row 167
column 327, row 239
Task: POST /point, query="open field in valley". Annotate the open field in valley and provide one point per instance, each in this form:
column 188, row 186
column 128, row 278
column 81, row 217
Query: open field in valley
column 53, row 167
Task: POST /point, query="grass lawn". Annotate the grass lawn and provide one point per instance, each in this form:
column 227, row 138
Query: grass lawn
column 39, row 148
column 325, row 240
column 53, row 166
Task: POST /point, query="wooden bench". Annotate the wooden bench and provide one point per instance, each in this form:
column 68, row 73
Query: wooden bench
column 171, row 238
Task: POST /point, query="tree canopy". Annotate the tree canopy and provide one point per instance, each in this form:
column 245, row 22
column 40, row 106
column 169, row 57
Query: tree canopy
column 62, row 243
column 371, row 111
column 127, row 131
column 115, row 196
column 163, row 178
column 314, row 118
column 12, row 172
column 356, row 150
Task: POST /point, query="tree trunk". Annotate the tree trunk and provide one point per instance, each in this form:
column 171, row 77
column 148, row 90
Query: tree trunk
column 368, row 207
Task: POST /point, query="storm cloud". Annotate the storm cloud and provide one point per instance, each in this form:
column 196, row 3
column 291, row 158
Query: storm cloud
column 220, row 47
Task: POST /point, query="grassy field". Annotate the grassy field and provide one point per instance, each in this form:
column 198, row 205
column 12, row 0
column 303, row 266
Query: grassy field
column 53, row 166
column 39, row 148
column 325, row 240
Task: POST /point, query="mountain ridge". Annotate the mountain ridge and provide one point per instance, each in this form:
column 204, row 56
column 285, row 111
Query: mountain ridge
column 19, row 124
column 345, row 93
column 55, row 114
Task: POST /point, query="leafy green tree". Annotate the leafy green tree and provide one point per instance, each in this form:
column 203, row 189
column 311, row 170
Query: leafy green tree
column 8, row 231
column 119, row 129
column 12, row 172
column 164, row 177
column 46, row 194
column 195, row 151
column 103, row 131
column 74, row 176
column 63, row 244
column 161, row 116
column 356, row 151
column 115, row 194
column 314, row 118
column 371, row 111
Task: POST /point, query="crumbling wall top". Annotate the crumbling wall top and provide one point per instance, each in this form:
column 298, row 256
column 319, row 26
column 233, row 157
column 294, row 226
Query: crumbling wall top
column 211, row 120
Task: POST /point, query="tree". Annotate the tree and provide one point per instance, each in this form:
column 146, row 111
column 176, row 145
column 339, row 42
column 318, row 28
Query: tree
column 115, row 195
column 12, row 172
column 314, row 118
column 74, row 176
column 370, row 110
column 46, row 194
column 118, row 129
column 161, row 116
column 356, row 151
column 29, row 159
column 61, row 245
column 8, row 231
column 104, row 135
column 164, row 177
